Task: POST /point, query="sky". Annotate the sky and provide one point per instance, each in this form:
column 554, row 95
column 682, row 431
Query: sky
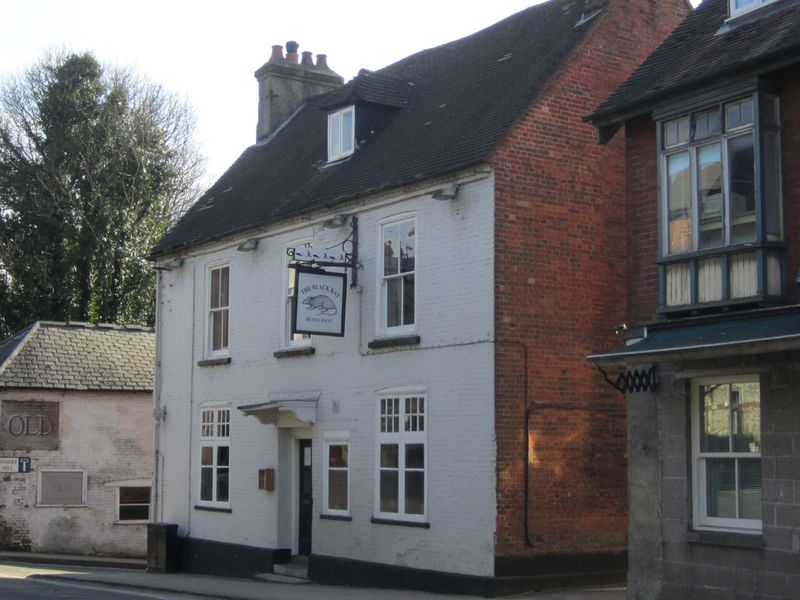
column 206, row 52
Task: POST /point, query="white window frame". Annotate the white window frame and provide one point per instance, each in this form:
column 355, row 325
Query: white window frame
column 402, row 438
column 335, row 438
column 304, row 339
column 214, row 434
column 341, row 142
column 140, row 483
column 699, row 513
column 735, row 12
column 382, row 279
column 210, row 350
column 43, row 470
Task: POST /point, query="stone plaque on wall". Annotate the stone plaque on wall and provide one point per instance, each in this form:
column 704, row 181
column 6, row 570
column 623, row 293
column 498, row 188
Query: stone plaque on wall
column 29, row 425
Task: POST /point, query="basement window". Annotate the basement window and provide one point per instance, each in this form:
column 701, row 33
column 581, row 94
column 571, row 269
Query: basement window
column 341, row 133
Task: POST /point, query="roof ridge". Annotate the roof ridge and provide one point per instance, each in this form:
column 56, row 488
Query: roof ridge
column 96, row 326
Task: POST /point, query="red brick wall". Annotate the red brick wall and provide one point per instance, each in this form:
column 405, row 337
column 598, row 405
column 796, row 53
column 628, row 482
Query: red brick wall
column 642, row 165
column 560, row 289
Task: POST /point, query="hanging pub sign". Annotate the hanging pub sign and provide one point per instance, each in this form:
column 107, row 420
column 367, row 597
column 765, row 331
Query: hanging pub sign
column 319, row 302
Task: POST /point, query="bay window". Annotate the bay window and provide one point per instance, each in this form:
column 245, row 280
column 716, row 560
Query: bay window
column 721, row 204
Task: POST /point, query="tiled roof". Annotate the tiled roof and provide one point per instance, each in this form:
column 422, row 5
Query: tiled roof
column 78, row 356
column 705, row 48
column 455, row 102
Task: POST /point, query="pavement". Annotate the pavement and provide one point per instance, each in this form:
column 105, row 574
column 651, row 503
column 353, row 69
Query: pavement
column 130, row 574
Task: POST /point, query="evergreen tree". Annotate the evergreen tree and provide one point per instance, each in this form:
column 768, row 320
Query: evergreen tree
column 95, row 164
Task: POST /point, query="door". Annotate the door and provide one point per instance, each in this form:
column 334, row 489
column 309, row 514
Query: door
column 306, row 500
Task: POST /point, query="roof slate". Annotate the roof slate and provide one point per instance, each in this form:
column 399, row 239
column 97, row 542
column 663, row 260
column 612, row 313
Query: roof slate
column 704, row 48
column 77, row 356
column 461, row 99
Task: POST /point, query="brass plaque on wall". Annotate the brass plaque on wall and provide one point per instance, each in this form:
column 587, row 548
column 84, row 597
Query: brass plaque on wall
column 29, row 425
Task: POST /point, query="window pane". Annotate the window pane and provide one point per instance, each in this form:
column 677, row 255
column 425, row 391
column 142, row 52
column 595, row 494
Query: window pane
column 134, row 513
column 337, row 490
column 415, row 456
column 746, row 417
column 223, row 456
column 750, row 489
column 134, row 495
column 207, row 455
column 334, row 144
column 709, row 179
column 772, row 194
column 389, row 491
column 408, row 300
column 707, row 123
column 391, row 252
column 739, row 114
column 225, row 328
column 415, row 492
column 222, row 485
column 389, row 456
column 743, row 190
column 676, row 132
column 337, row 456
column 393, row 301
column 715, row 432
column 347, row 131
column 721, row 487
column 679, row 206
column 223, row 286
column 206, row 479
column 407, row 242
column 217, row 326
column 215, row 288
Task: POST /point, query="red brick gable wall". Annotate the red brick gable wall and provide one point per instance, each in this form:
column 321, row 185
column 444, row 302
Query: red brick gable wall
column 642, row 210
column 560, row 288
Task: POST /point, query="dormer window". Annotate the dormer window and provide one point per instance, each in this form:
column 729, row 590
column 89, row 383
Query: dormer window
column 739, row 7
column 341, row 133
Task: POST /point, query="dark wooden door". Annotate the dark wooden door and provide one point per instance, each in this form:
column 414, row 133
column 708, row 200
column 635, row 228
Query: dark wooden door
column 306, row 499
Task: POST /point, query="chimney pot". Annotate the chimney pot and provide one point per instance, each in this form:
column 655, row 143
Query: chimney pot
column 307, row 60
column 291, row 52
column 277, row 52
column 322, row 61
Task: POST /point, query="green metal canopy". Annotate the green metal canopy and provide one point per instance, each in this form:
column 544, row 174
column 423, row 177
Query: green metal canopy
column 770, row 330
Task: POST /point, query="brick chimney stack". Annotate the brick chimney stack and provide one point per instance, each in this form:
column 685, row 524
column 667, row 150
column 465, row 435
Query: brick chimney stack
column 284, row 83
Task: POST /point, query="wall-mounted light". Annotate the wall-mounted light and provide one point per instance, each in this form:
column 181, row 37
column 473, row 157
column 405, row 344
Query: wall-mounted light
column 448, row 192
column 335, row 222
column 248, row 245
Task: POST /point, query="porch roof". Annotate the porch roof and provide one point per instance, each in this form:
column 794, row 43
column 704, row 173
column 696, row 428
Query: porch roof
column 761, row 331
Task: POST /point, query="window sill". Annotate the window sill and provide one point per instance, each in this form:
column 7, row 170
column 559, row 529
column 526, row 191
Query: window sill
column 118, row 522
column 393, row 342
column 417, row 524
column 212, row 508
column 336, row 517
column 726, row 538
column 214, row 362
column 290, row 352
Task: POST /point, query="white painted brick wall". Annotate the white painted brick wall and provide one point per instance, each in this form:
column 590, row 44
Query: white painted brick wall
column 110, row 437
column 454, row 363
